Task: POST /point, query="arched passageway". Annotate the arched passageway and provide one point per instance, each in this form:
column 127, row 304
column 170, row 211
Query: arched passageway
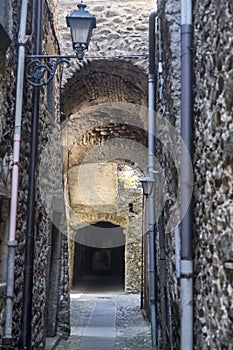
column 99, row 258
column 104, row 122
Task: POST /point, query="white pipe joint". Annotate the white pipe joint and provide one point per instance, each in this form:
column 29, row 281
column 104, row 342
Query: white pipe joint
column 186, row 286
column 186, row 12
column 186, row 268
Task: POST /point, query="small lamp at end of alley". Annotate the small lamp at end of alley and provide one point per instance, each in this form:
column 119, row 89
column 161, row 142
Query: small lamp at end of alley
column 147, row 185
column 81, row 24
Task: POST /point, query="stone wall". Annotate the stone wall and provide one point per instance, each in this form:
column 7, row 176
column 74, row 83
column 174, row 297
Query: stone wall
column 212, row 68
column 4, row 210
column 130, row 203
column 49, row 133
column 169, row 111
column 127, row 83
column 48, row 202
column 213, row 211
column 121, row 28
column 7, row 94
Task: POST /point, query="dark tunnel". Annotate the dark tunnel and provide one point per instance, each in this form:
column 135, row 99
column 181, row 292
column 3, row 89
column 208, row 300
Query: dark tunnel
column 99, row 258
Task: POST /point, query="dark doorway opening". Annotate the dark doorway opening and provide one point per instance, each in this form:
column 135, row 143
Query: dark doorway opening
column 99, row 260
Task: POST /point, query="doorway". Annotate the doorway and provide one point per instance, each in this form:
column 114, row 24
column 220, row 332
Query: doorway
column 99, row 258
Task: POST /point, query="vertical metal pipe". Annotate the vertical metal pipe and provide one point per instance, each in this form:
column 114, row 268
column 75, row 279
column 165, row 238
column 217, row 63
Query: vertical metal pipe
column 26, row 328
column 163, row 278
column 186, row 271
column 142, row 252
column 177, row 250
column 7, row 340
column 151, row 173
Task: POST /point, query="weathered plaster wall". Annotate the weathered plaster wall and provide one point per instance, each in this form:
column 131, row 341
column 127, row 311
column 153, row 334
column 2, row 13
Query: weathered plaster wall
column 87, row 189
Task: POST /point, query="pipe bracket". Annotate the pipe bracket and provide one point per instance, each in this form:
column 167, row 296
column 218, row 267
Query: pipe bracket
column 7, row 343
column 12, row 243
column 186, row 275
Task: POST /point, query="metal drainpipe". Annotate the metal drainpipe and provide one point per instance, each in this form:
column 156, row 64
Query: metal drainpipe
column 151, row 173
column 7, row 340
column 142, row 252
column 186, row 278
column 26, row 326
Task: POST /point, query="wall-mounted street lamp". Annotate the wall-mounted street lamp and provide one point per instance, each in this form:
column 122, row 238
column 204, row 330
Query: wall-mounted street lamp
column 41, row 68
column 147, row 185
column 81, row 24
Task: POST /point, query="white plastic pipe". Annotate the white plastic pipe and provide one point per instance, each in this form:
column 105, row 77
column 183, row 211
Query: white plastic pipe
column 186, row 296
column 177, row 250
column 12, row 243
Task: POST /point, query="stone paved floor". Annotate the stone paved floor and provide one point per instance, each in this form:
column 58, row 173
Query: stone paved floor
column 126, row 327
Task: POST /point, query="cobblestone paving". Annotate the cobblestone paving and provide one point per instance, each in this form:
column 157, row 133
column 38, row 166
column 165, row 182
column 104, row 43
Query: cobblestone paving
column 132, row 330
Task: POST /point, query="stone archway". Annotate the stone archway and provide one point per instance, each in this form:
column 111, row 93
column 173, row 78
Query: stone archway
column 105, row 119
column 125, row 213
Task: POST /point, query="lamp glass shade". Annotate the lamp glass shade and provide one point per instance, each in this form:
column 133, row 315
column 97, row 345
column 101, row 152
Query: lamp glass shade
column 145, row 188
column 81, row 24
column 147, row 185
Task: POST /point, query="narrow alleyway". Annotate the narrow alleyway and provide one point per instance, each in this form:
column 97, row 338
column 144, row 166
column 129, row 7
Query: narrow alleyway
column 107, row 320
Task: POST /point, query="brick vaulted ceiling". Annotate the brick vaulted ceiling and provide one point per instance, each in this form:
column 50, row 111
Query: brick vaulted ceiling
column 100, row 81
column 105, row 120
column 104, row 99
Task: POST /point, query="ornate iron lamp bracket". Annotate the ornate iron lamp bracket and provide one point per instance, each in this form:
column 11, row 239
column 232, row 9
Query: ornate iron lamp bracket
column 41, row 69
